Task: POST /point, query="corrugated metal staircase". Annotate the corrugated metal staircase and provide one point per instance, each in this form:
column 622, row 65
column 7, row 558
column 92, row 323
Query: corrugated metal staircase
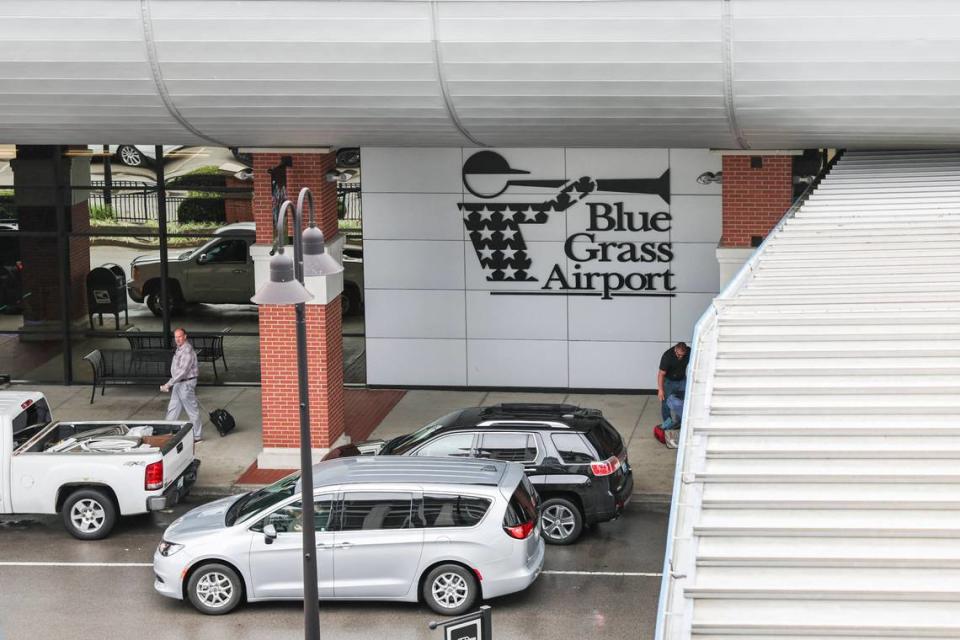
column 818, row 485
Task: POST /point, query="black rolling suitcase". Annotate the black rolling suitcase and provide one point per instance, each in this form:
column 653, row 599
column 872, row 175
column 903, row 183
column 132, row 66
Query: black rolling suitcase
column 223, row 421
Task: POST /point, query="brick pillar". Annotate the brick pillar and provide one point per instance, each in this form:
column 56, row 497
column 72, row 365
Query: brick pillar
column 36, row 193
column 757, row 191
column 754, row 197
column 278, row 349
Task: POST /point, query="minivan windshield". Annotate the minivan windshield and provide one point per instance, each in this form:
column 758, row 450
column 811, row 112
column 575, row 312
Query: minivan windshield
column 257, row 501
column 402, row 444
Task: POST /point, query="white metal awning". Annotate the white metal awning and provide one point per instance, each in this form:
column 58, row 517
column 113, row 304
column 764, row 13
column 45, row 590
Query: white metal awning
column 628, row 73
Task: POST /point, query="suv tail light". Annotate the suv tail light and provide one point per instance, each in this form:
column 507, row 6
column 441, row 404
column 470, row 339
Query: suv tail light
column 521, row 531
column 606, row 467
column 153, row 476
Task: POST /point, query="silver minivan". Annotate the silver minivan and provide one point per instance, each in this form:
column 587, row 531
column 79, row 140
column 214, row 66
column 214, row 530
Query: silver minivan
column 443, row 531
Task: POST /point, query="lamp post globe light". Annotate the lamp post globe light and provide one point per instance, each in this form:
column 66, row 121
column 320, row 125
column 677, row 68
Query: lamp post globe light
column 286, row 287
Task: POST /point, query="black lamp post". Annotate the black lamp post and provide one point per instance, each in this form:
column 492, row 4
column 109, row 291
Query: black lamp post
column 286, row 287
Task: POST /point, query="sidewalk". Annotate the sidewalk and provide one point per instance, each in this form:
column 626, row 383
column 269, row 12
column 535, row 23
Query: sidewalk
column 225, row 460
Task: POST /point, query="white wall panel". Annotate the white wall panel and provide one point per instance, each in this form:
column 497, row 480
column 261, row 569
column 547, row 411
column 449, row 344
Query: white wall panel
column 517, row 363
column 696, row 218
column 416, row 362
column 696, row 268
column 686, row 165
column 393, row 313
column 685, row 310
column 411, row 216
column 411, row 170
column 516, row 317
column 522, row 332
column 625, row 318
column 615, row 365
column 413, row 264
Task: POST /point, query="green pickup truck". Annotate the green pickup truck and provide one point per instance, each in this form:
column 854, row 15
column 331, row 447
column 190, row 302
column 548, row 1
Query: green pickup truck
column 221, row 272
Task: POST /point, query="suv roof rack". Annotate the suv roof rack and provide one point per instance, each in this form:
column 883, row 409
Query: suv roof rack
column 535, row 407
column 544, row 408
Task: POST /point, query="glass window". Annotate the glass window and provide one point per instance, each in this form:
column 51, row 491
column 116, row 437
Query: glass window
column 456, row 444
column 261, row 499
column 522, row 506
column 375, row 511
column 511, row 447
column 227, row 251
column 572, row 448
column 289, row 519
column 453, row 511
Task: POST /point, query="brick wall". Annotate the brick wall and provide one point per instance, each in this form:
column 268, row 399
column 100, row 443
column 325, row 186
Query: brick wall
column 754, row 199
column 239, row 206
column 278, row 346
column 308, row 170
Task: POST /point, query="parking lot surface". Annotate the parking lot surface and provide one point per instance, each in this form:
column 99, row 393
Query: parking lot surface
column 52, row 586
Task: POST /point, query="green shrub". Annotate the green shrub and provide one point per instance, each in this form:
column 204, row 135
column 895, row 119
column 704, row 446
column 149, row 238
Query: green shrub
column 102, row 213
column 202, row 210
column 8, row 209
column 203, row 177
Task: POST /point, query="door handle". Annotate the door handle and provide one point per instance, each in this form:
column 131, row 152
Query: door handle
column 345, row 545
column 239, row 270
column 325, row 545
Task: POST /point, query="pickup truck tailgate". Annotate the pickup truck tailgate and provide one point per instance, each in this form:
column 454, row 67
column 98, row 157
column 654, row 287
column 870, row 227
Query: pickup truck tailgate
column 177, row 455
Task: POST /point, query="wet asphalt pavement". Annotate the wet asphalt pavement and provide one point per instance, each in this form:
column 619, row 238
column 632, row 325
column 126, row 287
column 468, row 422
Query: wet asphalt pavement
column 110, row 600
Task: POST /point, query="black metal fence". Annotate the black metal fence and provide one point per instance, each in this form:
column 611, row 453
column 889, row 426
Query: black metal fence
column 131, row 201
column 348, row 201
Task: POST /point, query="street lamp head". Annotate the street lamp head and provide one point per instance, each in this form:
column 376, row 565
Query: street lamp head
column 316, row 261
column 283, row 287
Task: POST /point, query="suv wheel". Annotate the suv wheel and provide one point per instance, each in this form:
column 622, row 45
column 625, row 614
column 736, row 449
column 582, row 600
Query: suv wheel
column 89, row 514
column 450, row 590
column 215, row 589
column 560, row 521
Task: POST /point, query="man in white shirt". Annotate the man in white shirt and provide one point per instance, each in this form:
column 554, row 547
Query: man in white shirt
column 182, row 384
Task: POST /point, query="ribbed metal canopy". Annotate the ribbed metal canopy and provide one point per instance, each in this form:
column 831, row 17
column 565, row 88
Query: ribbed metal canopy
column 629, row 73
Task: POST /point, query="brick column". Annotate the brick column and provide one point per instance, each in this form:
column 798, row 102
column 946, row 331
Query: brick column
column 757, row 191
column 278, row 349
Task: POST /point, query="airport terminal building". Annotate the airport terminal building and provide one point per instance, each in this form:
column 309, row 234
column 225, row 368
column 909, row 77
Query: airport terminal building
column 535, row 194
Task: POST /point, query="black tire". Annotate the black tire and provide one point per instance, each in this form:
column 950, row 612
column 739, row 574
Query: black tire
column 215, row 576
column 153, row 303
column 351, row 304
column 130, row 156
column 456, row 590
column 89, row 514
column 560, row 521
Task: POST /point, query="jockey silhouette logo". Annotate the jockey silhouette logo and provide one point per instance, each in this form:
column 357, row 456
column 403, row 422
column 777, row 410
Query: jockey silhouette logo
column 495, row 227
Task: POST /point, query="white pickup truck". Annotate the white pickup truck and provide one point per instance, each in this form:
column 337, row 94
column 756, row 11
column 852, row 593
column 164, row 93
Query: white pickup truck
column 89, row 472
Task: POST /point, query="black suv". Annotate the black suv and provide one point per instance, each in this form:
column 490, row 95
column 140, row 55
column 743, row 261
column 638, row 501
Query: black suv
column 573, row 456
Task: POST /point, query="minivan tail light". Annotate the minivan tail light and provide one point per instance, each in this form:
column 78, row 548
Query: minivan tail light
column 606, row 467
column 153, row 476
column 521, row 531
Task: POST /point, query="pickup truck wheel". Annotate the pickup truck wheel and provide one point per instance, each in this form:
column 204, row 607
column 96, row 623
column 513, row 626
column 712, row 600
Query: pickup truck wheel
column 153, row 302
column 214, row 589
column 89, row 514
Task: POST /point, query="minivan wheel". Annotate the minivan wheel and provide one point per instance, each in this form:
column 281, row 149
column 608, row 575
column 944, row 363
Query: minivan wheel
column 215, row 589
column 450, row 590
column 560, row 521
column 89, row 514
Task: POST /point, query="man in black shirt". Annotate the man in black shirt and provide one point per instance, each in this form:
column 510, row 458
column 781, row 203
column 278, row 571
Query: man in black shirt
column 672, row 377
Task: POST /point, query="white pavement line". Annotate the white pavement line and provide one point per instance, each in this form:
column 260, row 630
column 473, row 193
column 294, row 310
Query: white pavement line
column 626, row 574
column 76, row 564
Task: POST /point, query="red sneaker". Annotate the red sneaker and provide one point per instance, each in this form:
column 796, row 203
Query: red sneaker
column 659, row 434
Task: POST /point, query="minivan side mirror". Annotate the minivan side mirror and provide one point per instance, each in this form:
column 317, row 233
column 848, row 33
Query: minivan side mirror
column 269, row 533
